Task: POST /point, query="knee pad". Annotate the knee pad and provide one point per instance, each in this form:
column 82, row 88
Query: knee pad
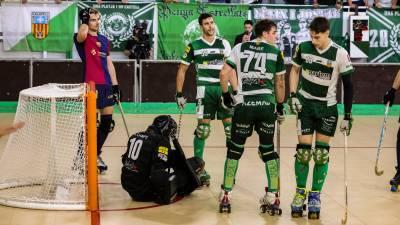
column 106, row 122
column 203, row 131
column 267, row 153
column 321, row 154
column 166, row 186
column 227, row 129
column 235, row 151
column 303, row 154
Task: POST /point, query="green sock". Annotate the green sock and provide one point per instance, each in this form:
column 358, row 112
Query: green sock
column 272, row 169
column 230, row 169
column 198, row 147
column 320, row 171
column 301, row 171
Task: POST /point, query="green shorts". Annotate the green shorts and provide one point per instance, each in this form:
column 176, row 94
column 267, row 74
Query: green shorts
column 208, row 103
column 258, row 115
column 317, row 116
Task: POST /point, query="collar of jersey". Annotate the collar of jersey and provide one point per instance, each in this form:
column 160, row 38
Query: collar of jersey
column 208, row 43
column 326, row 49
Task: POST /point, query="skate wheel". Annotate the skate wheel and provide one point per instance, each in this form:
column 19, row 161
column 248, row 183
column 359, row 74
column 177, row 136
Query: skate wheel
column 263, row 209
column 313, row 216
column 297, row 214
column 229, row 208
column 394, row 188
column 271, row 212
column 279, row 211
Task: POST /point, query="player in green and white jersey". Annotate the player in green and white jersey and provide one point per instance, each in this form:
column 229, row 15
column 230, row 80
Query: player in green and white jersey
column 256, row 71
column 313, row 98
column 208, row 53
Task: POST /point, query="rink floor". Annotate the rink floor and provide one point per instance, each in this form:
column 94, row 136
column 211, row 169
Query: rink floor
column 370, row 199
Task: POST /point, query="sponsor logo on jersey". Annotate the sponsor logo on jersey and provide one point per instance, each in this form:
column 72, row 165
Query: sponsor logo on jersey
column 240, row 125
column 162, row 157
column 163, row 150
column 256, row 103
column 40, row 24
column 319, row 74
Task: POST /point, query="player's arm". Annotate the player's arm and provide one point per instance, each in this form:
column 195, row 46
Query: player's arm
column 390, row 94
column 84, row 16
column 346, row 70
column 294, row 78
column 396, row 82
column 111, row 70
column 180, row 77
column 227, row 75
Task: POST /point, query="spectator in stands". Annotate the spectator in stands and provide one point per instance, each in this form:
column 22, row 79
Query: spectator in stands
column 4, row 130
column 354, row 3
column 336, row 3
column 295, row 2
column 247, row 35
column 386, row 3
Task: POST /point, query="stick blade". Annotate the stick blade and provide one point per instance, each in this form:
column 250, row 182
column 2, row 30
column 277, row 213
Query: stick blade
column 377, row 172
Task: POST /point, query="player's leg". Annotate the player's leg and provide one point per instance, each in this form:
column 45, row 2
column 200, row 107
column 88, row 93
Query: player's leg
column 325, row 129
column 105, row 105
column 242, row 128
column 395, row 181
column 305, row 131
column 265, row 128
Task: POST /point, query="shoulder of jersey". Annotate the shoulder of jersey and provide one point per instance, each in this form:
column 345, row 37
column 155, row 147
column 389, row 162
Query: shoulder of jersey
column 338, row 47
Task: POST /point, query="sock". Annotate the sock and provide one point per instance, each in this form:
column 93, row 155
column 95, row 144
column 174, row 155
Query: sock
column 198, row 145
column 272, row 170
column 230, row 169
column 102, row 131
column 301, row 171
column 320, row 172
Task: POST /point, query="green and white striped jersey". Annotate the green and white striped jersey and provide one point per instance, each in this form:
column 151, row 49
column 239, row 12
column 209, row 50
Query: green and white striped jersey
column 208, row 58
column 256, row 63
column 321, row 70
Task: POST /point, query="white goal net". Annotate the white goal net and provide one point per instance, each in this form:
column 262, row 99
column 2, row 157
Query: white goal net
column 44, row 164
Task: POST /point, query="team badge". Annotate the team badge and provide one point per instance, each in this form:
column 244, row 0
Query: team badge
column 40, row 24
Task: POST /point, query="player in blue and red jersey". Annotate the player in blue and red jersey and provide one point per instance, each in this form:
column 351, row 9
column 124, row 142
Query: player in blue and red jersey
column 94, row 50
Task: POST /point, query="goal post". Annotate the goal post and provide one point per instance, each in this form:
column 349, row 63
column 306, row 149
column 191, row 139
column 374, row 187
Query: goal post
column 45, row 164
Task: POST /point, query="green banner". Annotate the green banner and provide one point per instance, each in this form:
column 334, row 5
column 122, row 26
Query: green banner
column 384, row 35
column 178, row 25
column 293, row 21
column 118, row 20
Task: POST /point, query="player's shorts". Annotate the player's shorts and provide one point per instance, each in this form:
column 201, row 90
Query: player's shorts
column 208, row 103
column 317, row 116
column 254, row 114
column 104, row 96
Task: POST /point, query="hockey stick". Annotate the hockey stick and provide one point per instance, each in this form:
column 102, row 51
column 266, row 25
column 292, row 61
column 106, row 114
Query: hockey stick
column 179, row 124
column 380, row 140
column 344, row 221
column 123, row 117
column 278, row 149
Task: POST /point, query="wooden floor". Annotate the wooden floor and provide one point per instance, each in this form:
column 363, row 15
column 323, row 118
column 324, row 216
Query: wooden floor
column 370, row 201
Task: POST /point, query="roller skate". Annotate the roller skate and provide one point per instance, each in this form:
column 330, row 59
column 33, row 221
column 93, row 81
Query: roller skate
column 298, row 205
column 395, row 181
column 101, row 166
column 270, row 203
column 225, row 201
column 204, row 178
column 314, row 204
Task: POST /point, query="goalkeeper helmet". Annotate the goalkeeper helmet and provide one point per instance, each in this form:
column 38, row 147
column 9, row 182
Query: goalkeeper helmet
column 166, row 125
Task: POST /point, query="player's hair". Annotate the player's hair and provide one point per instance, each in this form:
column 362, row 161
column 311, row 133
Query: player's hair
column 264, row 25
column 93, row 11
column 319, row 25
column 248, row 22
column 204, row 16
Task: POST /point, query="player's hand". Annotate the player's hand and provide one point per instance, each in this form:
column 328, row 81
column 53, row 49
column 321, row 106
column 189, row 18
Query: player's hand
column 389, row 97
column 116, row 93
column 280, row 113
column 294, row 103
column 180, row 100
column 84, row 15
column 346, row 124
column 229, row 100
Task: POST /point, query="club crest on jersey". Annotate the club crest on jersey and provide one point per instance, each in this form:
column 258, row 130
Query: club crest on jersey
column 309, row 59
column 40, row 24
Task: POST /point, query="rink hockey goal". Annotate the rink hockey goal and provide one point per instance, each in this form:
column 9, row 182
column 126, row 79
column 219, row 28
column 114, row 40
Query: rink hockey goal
column 44, row 164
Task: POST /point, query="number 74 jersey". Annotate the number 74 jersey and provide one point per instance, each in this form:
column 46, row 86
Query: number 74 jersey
column 256, row 63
